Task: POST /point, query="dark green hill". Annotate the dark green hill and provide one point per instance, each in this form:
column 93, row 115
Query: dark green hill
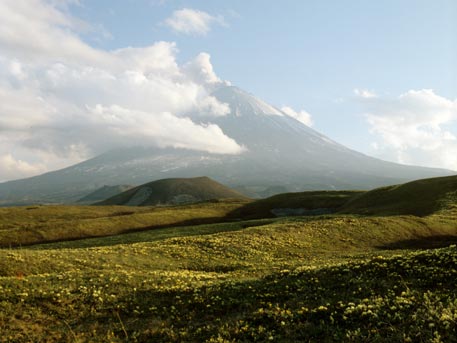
column 420, row 198
column 173, row 192
column 103, row 193
column 300, row 203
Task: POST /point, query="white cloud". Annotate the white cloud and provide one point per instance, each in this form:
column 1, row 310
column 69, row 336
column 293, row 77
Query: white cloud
column 13, row 168
column 301, row 116
column 192, row 22
column 34, row 29
column 62, row 101
column 363, row 93
column 414, row 128
column 200, row 70
column 137, row 127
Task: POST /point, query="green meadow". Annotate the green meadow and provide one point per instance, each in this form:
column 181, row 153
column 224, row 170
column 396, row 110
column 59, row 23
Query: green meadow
column 219, row 272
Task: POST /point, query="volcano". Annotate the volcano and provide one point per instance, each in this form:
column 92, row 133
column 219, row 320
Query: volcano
column 281, row 155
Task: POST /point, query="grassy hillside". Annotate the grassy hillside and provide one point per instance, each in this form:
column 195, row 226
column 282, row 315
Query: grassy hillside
column 312, row 202
column 174, row 191
column 421, row 197
column 28, row 225
column 40, row 224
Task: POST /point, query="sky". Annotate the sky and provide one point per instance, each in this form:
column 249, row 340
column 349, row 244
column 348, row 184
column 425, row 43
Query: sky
column 78, row 78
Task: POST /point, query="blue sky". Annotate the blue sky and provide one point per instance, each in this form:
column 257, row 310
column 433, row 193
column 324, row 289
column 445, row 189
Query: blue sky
column 307, row 54
column 363, row 70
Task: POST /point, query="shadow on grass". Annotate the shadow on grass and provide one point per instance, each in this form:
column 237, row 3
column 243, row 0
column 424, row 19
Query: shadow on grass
column 185, row 228
column 431, row 242
column 191, row 227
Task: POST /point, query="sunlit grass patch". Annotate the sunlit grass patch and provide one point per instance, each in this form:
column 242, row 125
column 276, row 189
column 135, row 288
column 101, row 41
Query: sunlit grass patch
column 385, row 298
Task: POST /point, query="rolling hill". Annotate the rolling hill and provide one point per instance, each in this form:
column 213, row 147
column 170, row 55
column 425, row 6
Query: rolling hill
column 420, row 198
column 401, row 205
column 173, row 192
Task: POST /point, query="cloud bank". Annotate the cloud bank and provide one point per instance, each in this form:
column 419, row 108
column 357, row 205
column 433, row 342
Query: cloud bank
column 417, row 127
column 62, row 100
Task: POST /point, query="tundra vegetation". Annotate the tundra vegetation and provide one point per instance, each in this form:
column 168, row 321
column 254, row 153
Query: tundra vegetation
column 199, row 273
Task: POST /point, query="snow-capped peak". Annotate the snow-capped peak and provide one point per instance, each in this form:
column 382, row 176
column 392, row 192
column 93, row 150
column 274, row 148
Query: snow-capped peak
column 242, row 103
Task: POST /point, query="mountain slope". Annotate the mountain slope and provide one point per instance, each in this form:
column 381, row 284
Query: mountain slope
column 281, row 153
column 173, row 192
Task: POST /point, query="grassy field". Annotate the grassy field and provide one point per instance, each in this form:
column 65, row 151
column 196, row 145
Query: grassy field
column 330, row 278
column 289, row 279
column 27, row 225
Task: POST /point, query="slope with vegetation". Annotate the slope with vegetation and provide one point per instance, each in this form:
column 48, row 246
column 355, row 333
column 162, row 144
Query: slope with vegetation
column 331, row 278
column 304, row 203
column 420, row 198
column 292, row 279
column 21, row 226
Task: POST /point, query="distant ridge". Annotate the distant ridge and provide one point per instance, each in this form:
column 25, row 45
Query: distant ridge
column 173, row 192
column 104, row 193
